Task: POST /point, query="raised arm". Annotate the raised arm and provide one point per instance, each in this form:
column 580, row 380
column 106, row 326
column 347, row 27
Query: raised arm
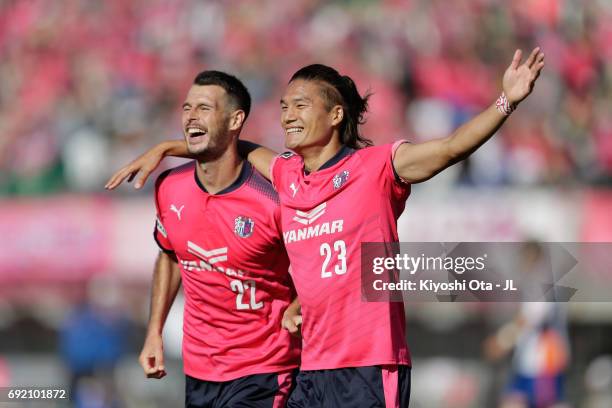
column 419, row 162
column 259, row 156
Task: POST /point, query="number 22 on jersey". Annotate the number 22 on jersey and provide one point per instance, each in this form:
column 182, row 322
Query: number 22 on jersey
column 242, row 289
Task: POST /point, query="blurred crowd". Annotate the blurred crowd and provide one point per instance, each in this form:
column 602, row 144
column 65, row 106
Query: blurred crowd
column 88, row 85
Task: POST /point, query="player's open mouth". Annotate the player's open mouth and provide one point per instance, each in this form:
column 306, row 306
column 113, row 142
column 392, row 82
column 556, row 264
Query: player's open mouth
column 196, row 134
column 293, row 130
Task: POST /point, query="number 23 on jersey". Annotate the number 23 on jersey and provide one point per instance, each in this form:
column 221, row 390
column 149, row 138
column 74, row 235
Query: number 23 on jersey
column 335, row 254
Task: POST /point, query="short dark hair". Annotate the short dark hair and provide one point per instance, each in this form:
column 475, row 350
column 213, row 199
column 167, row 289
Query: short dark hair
column 237, row 92
column 340, row 90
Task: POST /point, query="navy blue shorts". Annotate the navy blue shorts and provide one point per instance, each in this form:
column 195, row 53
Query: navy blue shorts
column 253, row 391
column 354, row 387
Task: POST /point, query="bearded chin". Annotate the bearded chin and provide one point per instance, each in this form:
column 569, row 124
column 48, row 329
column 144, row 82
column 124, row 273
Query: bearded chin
column 212, row 152
column 196, row 151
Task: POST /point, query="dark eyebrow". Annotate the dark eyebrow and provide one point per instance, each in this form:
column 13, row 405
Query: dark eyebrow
column 208, row 105
column 297, row 99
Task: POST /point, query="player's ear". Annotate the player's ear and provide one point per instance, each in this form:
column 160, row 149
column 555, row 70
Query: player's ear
column 237, row 120
column 336, row 115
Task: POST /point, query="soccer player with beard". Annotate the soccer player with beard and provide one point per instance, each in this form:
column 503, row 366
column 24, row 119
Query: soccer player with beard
column 354, row 352
column 218, row 228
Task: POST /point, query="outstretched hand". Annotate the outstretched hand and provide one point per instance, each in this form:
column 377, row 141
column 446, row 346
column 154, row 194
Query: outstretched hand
column 142, row 167
column 519, row 79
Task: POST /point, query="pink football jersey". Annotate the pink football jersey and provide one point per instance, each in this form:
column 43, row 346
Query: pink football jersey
column 234, row 272
column 326, row 215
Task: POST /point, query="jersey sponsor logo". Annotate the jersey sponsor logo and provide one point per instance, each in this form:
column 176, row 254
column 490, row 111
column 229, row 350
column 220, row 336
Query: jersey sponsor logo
column 210, row 257
column 243, row 226
column 286, row 155
column 199, row 266
column 308, row 217
column 293, row 188
column 340, row 178
column 177, row 210
column 313, row 231
column 160, row 228
column 208, row 260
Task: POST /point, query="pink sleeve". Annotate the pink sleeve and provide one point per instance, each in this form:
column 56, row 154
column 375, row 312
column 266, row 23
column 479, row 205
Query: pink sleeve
column 275, row 171
column 159, row 233
column 398, row 188
column 394, row 148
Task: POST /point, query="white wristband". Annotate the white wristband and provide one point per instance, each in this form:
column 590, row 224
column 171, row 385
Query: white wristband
column 504, row 106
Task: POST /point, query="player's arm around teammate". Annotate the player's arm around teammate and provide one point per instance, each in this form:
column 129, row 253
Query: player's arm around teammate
column 166, row 283
column 414, row 163
column 419, row 162
column 260, row 157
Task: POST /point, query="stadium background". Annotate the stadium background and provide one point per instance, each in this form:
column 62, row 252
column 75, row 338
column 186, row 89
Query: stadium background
column 85, row 86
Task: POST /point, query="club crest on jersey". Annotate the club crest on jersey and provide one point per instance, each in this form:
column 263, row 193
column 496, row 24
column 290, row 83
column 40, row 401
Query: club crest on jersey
column 243, row 226
column 340, row 179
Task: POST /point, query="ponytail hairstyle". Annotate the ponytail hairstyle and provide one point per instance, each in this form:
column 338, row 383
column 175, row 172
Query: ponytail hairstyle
column 340, row 90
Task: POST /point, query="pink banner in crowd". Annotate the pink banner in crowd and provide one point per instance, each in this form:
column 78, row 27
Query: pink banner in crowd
column 57, row 239
column 597, row 217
